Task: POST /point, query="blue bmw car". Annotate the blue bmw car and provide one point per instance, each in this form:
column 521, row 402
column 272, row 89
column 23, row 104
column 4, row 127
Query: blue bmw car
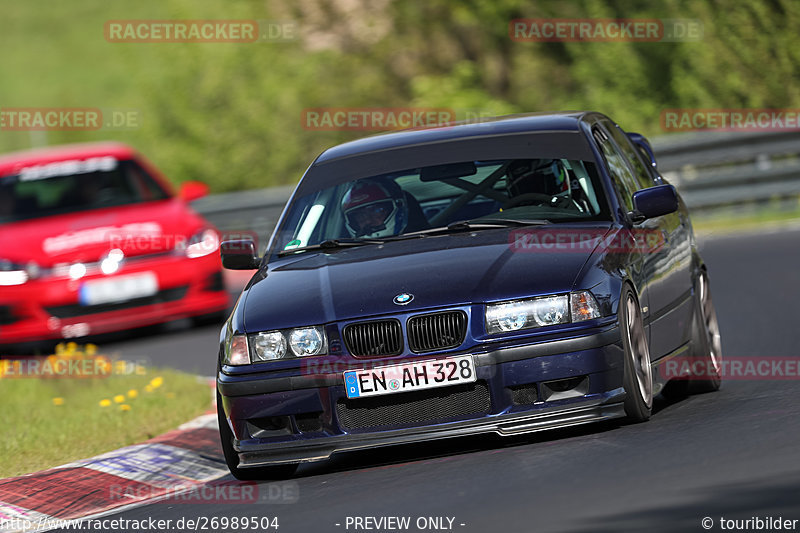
column 506, row 277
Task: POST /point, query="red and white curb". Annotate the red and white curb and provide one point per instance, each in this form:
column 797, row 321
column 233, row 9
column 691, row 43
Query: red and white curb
column 160, row 468
column 129, row 477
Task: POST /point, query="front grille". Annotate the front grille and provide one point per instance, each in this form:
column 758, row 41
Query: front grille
column 382, row 337
column 437, row 331
column 73, row 310
column 415, row 408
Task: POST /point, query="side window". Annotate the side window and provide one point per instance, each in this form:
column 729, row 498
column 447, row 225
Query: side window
column 640, row 171
column 621, row 174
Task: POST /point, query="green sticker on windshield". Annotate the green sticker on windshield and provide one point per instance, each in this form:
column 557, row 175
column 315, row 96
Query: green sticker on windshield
column 292, row 244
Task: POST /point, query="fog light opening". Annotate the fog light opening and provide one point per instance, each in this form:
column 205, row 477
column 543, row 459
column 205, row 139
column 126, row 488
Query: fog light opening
column 561, row 389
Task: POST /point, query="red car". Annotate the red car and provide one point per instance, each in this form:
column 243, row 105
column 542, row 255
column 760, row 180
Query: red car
column 93, row 240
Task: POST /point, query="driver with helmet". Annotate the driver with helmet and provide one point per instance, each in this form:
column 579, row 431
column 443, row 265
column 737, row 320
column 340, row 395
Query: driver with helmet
column 375, row 207
column 544, row 182
column 542, row 176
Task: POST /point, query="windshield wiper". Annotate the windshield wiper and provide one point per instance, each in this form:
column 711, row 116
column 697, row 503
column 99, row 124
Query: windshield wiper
column 453, row 227
column 331, row 245
column 466, row 225
column 488, row 223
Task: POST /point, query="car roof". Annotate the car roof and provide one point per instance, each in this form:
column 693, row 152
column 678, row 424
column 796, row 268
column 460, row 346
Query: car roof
column 523, row 123
column 518, row 136
column 10, row 163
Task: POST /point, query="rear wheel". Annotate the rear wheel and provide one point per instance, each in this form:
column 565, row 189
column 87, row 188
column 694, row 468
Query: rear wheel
column 638, row 377
column 707, row 342
column 232, row 458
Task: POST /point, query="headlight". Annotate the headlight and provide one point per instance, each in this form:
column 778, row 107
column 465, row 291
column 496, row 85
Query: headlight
column 268, row 346
column 16, row 274
column 274, row 345
column 307, row 341
column 523, row 314
column 536, row 312
column 202, row 244
column 236, row 352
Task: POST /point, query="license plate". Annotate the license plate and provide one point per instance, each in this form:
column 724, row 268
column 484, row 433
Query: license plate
column 118, row 289
column 409, row 376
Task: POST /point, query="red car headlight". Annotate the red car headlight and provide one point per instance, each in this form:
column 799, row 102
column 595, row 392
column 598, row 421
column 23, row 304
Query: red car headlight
column 202, row 244
column 16, row 274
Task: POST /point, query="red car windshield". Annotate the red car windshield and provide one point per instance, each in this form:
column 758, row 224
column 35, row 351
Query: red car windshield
column 71, row 186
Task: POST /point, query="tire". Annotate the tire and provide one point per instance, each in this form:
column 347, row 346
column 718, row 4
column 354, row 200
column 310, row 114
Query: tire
column 638, row 376
column 706, row 342
column 232, row 458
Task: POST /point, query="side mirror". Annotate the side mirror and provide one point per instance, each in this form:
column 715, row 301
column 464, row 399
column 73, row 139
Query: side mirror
column 239, row 254
column 643, row 145
column 192, row 190
column 653, row 202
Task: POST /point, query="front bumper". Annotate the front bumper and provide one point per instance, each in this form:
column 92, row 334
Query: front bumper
column 594, row 363
column 48, row 309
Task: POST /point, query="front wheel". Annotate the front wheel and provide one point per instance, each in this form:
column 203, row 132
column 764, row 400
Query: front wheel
column 707, row 342
column 232, row 458
column 638, row 377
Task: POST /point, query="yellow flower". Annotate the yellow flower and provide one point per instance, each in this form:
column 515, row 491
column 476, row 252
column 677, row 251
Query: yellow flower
column 156, row 382
column 133, row 393
column 105, row 403
column 148, row 388
column 124, row 407
column 58, row 401
column 119, row 398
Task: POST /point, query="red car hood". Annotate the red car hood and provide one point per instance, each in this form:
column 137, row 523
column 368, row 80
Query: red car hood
column 87, row 236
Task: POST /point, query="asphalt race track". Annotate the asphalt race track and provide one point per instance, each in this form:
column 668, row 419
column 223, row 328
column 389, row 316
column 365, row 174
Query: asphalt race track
column 731, row 454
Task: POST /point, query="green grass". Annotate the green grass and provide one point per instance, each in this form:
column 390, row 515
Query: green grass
column 39, row 433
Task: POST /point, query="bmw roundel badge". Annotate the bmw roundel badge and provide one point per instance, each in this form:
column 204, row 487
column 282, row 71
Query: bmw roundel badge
column 403, row 298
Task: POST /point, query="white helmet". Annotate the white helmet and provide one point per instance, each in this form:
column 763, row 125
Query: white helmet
column 375, row 208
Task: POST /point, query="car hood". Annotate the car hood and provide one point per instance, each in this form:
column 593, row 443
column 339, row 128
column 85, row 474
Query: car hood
column 86, row 236
column 447, row 270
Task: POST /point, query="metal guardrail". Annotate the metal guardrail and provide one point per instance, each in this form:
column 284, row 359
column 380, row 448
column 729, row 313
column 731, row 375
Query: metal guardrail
column 716, row 170
column 256, row 210
column 712, row 170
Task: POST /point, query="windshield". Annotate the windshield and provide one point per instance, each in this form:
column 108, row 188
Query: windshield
column 70, row 186
column 388, row 205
